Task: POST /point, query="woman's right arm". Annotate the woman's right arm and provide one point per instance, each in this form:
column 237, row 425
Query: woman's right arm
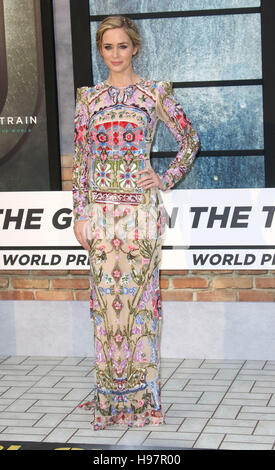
column 80, row 165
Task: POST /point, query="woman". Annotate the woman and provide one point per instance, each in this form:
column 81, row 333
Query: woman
column 119, row 218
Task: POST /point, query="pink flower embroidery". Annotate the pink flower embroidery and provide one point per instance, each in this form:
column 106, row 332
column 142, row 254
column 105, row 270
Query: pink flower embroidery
column 101, row 247
column 116, row 242
column 119, row 370
column 131, row 247
column 156, row 302
column 118, row 338
column 117, row 305
column 80, row 132
column 116, row 273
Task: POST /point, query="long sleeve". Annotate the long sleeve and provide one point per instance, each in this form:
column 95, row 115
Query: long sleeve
column 81, row 155
column 172, row 114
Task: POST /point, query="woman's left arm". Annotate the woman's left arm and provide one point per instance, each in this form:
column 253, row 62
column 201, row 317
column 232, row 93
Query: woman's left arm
column 171, row 113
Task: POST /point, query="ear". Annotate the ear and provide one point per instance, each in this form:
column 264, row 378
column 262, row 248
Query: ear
column 135, row 50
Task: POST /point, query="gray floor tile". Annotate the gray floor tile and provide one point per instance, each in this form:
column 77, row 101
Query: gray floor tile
column 254, row 365
column 209, row 429
column 241, row 386
column 232, row 422
column 265, row 428
column 20, row 415
column 209, row 441
column 13, row 360
column 227, row 411
column 14, row 392
column 211, row 398
column 59, row 435
column 30, row 430
column 191, row 363
column 20, row 405
column 21, row 437
column 227, row 404
column 75, row 439
column 17, row 422
column 75, row 424
column 249, row 439
column 133, row 438
column 50, row 420
column 245, row 446
column 193, row 425
column 179, row 443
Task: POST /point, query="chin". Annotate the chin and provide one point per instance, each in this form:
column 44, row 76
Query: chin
column 118, row 68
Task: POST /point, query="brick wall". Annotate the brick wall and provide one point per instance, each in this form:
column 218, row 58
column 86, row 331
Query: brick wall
column 189, row 285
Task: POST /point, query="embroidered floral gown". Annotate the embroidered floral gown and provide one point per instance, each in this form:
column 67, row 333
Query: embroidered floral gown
column 125, row 227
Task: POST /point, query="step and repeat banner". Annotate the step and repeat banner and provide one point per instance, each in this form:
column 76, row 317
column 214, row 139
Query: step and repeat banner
column 215, row 228
column 205, row 229
column 29, row 150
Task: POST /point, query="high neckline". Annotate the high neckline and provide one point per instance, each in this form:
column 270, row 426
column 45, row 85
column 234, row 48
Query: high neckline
column 138, row 82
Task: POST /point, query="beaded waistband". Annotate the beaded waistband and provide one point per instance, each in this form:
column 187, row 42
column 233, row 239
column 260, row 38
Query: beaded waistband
column 115, row 197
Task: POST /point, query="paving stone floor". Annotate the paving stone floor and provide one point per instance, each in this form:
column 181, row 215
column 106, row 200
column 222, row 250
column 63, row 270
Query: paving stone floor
column 210, row 404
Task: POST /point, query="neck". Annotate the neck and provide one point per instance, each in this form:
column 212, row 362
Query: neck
column 122, row 79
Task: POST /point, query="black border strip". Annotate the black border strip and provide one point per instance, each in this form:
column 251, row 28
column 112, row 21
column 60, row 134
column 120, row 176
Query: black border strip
column 164, row 247
column 215, row 83
column 268, row 41
column 218, row 83
column 215, row 153
column 3, row 59
column 182, row 14
column 81, row 43
column 218, row 247
column 50, row 79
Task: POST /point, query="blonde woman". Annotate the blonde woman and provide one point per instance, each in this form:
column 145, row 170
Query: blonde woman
column 119, row 218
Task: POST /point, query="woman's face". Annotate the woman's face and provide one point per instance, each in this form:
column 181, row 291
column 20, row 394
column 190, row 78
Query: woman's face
column 117, row 50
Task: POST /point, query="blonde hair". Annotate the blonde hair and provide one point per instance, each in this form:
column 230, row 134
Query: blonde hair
column 118, row 21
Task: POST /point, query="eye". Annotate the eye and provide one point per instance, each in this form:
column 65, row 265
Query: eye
column 123, row 46
column 107, row 47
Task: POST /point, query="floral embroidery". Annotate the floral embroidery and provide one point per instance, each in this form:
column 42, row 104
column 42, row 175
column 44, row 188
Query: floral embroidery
column 125, row 226
column 103, row 174
column 115, row 131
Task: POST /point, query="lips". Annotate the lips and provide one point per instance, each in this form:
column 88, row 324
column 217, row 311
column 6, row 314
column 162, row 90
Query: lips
column 116, row 63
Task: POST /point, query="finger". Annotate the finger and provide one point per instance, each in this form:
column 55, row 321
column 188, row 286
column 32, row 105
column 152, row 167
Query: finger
column 147, row 170
column 142, row 171
column 146, row 181
column 83, row 239
column 86, row 245
column 146, row 178
column 149, row 185
column 77, row 232
column 79, row 236
column 83, row 242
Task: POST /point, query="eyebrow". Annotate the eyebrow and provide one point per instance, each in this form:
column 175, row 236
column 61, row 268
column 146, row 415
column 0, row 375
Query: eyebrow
column 109, row 44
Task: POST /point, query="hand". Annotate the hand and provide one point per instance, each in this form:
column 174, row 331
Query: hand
column 151, row 180
column 79, row 231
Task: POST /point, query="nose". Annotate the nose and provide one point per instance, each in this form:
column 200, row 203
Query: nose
column 115, row 52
